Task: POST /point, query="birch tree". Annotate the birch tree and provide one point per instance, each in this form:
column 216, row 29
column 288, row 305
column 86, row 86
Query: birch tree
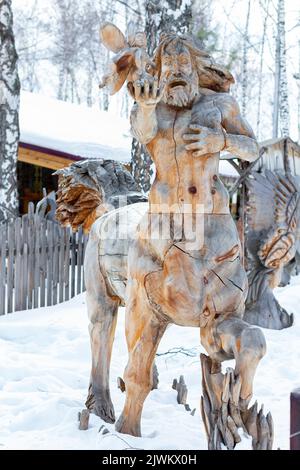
column 9, row 114
column 245, row 61
column 261, row 65
column 297, row 77
column 66, row 47
column 281, row 121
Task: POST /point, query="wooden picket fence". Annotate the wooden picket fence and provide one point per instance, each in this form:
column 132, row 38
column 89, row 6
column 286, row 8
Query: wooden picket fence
column 41, row 263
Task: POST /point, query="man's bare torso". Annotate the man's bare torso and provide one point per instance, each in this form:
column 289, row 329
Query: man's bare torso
column 181, row 178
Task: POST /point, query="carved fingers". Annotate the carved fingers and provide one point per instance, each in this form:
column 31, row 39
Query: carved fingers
column 203, row 140
column 146, row 92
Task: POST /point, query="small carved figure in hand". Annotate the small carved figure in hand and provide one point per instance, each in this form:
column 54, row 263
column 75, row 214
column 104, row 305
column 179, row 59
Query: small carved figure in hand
column 185, row 116
column 131, row 62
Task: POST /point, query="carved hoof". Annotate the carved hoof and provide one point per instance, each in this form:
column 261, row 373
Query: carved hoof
column 104, row 410
column 123, row 426
column 100, row 406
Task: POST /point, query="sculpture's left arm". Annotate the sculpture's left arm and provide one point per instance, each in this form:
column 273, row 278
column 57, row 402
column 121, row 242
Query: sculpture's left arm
column 239, row 137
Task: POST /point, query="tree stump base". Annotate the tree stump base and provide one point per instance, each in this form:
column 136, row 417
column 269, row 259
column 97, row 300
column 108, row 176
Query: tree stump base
column 182, row 391
column 83, row 419
column 181, row 388
column 225, row 414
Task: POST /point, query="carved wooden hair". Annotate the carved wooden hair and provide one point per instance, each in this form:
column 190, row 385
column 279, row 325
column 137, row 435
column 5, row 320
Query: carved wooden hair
column 211, row 75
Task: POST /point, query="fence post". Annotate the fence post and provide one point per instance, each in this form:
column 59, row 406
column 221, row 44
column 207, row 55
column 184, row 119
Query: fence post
column 295, row 420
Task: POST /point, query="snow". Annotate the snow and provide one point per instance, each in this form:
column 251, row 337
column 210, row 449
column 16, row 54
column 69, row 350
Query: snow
column 75, row 129
column 45, row 365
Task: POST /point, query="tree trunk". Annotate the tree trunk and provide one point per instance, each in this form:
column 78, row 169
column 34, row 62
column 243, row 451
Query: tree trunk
column 298, row 77
column 9, row 114
column 261, row 64
column 281, row 102
column 283, row 84
column 245, row 62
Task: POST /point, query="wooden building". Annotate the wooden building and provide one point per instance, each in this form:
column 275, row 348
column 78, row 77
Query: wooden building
column 35, row 168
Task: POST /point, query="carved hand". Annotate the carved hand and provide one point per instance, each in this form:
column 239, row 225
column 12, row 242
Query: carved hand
column 145, row 92
column 204, row 140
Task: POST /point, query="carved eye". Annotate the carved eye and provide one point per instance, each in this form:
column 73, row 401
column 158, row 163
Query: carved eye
column 148, row 67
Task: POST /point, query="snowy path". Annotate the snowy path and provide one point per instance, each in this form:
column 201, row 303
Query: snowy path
column 44, row 373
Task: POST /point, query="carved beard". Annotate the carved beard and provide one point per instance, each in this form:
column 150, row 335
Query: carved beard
column 182, row 96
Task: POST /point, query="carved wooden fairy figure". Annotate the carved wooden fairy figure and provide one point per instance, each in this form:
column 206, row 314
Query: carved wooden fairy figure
column 180, row 262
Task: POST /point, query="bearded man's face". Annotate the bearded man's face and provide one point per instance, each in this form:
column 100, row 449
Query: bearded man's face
column 180, row 75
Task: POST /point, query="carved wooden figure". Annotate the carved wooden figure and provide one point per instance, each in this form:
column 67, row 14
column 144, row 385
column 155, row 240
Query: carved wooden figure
column 131, row 61
column 272, row 240
column 176, row 260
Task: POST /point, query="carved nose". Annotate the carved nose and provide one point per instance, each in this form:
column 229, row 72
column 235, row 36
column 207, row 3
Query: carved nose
column 175, row 67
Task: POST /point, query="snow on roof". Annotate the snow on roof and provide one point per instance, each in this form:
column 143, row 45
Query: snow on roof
column 75, row 129
column 79, row 130
column 226, row 169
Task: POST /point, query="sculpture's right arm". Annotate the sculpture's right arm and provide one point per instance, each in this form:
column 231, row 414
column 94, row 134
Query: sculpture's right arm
column 143, row 122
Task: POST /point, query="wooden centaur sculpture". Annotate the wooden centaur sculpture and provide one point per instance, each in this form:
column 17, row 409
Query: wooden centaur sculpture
column 177, row 259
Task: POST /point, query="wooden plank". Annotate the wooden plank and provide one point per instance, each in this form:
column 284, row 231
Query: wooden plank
column 85, row 240
column 3, row 231
column 34, row 157
column 24, row 251
column 50, row 254
column 62, row 235
column 55, row 262
column 67, row 264
column 79, row 259
column 37, row 228
column 43, row 261
column 10, row 266
column 31, row 258
column 18, row 267
column 73, row 263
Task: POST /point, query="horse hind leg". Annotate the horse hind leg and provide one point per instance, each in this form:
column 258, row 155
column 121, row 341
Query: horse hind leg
column 102, row 312
column 248, row 345
column 226, row 397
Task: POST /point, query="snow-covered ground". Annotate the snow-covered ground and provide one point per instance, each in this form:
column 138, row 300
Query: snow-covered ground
column 44, row 374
